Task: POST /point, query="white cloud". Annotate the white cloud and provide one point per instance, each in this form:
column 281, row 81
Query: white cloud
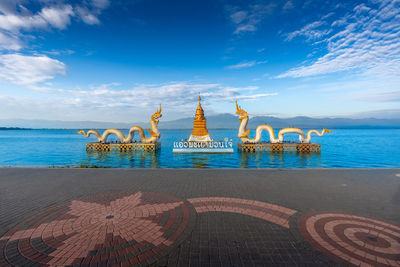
column 100, row 4
column 54, row 52
column 377, row 96
column 89, row 12
column 242, row 65
column 310, row 31
column 110, row 102
column 245, row 28
column 29, row 70
column 8, row 6
column 58, row 17
column 247, row 64
column 367, row 40
column 51, row 108
column 238, row 17
column 288, row 5
column 15, row 22
column 176, row 95
column 246, row 20
column 9, row 42
column 87, row 16
column 16, row 19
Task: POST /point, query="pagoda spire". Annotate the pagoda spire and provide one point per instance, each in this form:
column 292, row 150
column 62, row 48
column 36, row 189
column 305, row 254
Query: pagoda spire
column 199, row 132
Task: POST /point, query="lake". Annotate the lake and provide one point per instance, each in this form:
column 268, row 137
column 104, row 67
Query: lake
column 342, row 148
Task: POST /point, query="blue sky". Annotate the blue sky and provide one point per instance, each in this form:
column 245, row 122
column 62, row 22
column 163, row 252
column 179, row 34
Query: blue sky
column 117, row 60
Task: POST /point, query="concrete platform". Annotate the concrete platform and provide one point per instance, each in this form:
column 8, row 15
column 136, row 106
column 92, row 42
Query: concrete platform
column 280, row 147
column 122, row 147
column 317, row 217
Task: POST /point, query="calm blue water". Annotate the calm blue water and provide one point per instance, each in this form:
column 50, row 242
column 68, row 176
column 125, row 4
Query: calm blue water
column 355, row 148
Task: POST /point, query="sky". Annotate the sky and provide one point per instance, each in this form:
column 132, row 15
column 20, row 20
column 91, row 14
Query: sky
column 101, row 60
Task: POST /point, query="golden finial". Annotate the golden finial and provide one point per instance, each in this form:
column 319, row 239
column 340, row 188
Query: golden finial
column 199, row 98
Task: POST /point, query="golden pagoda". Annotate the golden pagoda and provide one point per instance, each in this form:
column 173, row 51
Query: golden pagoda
column 199, row 132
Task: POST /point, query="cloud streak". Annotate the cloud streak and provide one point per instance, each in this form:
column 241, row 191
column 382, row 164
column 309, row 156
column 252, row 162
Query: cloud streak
column 288, row 5
column 310, row 31
column 9, row 42
column 247, row 64
column 176, row 94
column 247, row 19
column 366, row 40
column 110, row 102
column 378, row 96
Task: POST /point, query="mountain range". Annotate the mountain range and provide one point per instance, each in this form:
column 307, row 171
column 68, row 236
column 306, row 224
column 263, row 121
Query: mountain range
column 220, row 121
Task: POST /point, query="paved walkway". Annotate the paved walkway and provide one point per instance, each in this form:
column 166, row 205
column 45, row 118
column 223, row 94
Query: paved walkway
column 99, row 217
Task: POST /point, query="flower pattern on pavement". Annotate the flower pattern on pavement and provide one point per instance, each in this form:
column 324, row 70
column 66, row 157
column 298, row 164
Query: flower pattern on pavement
column 87, row 224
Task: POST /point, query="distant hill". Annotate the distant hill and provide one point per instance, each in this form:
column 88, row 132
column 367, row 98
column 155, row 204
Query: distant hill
column 229, row 121
column 220, row 121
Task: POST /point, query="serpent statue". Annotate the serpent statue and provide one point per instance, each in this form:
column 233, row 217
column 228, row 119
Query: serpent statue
column 155, row 134
column 244, row 133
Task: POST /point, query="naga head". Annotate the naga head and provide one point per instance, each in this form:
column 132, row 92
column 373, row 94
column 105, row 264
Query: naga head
column 156, row 115
column 81, row 132
column 239, row 111
column 327, row 131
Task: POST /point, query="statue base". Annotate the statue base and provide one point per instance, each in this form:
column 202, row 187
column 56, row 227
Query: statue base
column 281, row 147
column 203, row 150
column 203, row 147
column 128, row 147
column 203, row 138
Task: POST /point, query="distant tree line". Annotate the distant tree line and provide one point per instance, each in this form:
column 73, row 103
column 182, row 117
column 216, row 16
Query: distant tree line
column 13, row 128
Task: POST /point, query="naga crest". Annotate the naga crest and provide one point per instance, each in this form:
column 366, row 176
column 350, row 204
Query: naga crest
column 241, row 112
column 156, row 115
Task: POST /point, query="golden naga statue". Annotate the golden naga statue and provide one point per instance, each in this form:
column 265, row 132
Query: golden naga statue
column 244, row 133
column 155, row 134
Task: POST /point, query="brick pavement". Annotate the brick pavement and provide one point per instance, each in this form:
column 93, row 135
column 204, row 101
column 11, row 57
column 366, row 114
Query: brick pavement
column 146, row 217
